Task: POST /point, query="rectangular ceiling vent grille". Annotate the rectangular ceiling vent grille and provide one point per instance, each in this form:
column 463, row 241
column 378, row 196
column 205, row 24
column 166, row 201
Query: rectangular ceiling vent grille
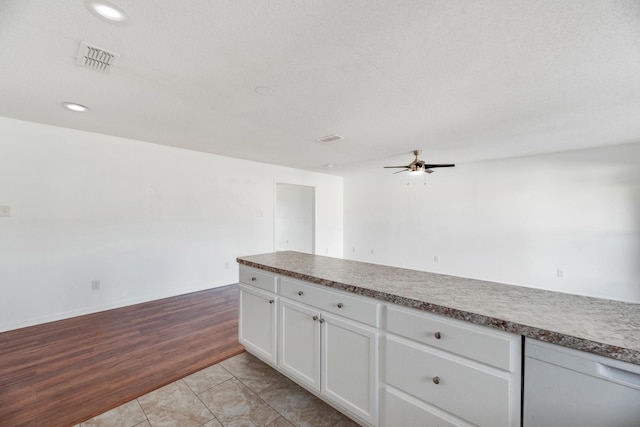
column 95, row 58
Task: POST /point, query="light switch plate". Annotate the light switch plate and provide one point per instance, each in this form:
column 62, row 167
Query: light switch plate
column 5, row 211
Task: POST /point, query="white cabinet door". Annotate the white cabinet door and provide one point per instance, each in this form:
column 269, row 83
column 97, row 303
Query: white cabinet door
column 257, row 322
column 350, row 366
column 299, row 352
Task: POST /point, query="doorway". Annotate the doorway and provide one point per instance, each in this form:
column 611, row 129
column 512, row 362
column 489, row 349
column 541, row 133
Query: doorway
column 295, row 218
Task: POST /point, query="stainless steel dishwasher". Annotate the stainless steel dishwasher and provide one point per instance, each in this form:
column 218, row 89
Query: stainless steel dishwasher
column 567, row 388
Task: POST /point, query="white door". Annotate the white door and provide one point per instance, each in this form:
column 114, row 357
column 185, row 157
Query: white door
column 257, row 322
column 350, row 366
column 295, row 218
column 299, row 353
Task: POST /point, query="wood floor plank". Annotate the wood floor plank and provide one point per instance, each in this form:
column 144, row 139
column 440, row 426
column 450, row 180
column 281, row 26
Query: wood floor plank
column 65, row 372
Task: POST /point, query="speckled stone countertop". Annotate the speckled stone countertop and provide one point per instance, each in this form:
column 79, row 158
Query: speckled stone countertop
column 605, row 327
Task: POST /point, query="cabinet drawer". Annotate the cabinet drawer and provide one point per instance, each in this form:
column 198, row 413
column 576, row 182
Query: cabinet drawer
column 481, row 396
column 355, row 308
column 401, row 410
column 495, row 348
column 258, row 278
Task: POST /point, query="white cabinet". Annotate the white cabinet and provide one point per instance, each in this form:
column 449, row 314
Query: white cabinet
column 300, row 343
column 336, row 356
column 436, row 368
column 412, row 369
column 331, row 355
column 350, row 366
column 257, row 323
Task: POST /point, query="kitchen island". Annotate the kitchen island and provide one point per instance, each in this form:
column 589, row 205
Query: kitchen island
column 396, row 347
column 603, row 327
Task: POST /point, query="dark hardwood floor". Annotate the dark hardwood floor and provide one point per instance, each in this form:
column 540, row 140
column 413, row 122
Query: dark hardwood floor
column 65, row 372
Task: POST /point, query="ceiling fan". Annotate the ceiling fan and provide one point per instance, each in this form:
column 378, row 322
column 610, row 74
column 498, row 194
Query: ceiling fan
column 419, row 166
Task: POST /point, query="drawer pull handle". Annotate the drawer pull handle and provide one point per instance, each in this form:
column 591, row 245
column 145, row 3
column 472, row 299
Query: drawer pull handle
column 270, row 301
column 340, row 305
column 321, row 320
column 315, row 318
column 436, row 380
column 300, row 293
column 253, row 279
column 438, row 335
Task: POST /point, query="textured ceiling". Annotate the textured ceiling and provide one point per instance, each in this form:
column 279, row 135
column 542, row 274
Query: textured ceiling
column 462, row 80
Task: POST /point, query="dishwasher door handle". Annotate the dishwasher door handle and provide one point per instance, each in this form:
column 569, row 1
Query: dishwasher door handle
column 621, row 376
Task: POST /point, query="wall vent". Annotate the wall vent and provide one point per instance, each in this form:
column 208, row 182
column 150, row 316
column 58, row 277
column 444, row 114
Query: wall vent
column 330, row 138
column 95, row 58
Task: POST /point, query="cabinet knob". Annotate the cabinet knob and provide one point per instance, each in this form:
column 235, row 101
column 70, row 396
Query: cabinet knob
column 253, row 279
column 436, row 380
column 270, row 301
column 438, row 335
column 321, row 320
column 315, row 318
column 340, row 305
column 300, row 293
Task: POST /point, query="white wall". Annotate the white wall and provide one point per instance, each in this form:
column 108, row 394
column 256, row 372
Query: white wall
column 513, row 221
column 148, row 221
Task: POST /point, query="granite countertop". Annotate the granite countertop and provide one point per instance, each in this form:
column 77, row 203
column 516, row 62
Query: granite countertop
column 605, row 327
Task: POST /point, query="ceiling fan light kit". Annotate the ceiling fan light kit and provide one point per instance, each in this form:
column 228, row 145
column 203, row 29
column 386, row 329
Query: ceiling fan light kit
column 419, row 167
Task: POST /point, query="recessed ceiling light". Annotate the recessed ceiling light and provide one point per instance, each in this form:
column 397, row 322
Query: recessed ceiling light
column 79, row 108
column 108, row 11
column 328, row 165
column 264, row 90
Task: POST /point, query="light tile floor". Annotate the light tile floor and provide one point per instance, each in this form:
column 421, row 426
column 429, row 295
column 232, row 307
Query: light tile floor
column 239, row 392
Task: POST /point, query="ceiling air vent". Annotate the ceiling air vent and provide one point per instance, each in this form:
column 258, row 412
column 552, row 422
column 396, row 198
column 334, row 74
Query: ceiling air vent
column 330, row 138
column 95, row 58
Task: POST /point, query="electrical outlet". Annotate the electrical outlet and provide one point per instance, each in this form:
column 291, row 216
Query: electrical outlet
column 5, row 211
column 95, row 285
column 560, row 273
column 371, row 251
column 436, row 259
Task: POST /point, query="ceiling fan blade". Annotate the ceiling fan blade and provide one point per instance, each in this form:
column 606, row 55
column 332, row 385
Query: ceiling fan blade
column 438, row 166
column 407, row 167
column 401, row 171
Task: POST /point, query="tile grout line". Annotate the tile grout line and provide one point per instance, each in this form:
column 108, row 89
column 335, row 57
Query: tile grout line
column 233, row 377
column 203, row 391
column 262, row 378
column 343, row 417
column 144, row 412
column 197, row 395
column 265, row 402
column 204, row 404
